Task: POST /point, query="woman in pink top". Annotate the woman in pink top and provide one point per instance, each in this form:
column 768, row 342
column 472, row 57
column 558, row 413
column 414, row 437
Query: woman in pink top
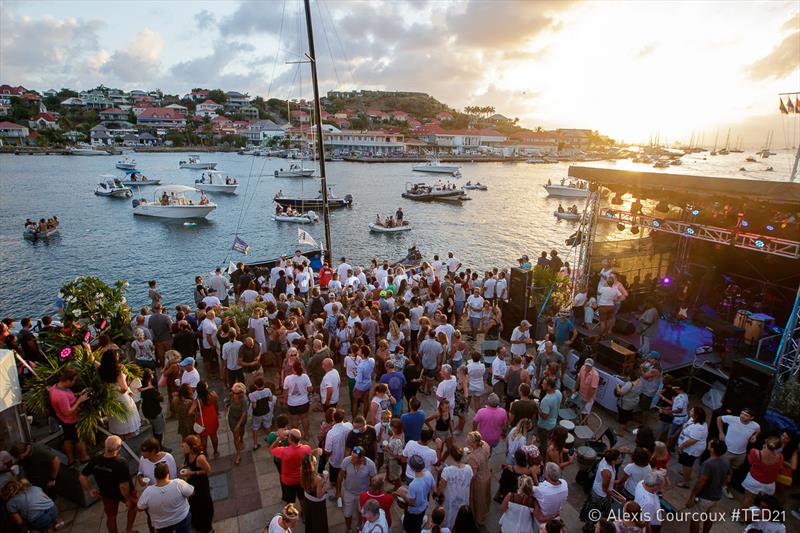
column 491, row 421
column 765, row 465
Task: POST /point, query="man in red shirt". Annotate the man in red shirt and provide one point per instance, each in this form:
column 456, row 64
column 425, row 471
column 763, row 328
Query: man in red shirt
column 586, row 385
column 66, row 406
column 325, row 275
column 376, row 493
column 291, row 457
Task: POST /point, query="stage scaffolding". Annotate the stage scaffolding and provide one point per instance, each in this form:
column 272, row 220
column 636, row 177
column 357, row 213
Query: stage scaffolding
column 787, row 360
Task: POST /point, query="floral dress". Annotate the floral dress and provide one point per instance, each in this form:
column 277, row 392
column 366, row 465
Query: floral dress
column 395, row 446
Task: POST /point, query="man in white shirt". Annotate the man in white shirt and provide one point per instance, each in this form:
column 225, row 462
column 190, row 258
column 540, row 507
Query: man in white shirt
column 475, row 308
column 446, row 328
column 334, row 450
column 381, row 275
column 489, row 287
column 274, row 274
column 167, row 502
column 647, row 498
column 501, row 287
column 551, row 494
column 521, row 338
column 212, row 300
column 422, row 449
column 362, row 278
column 220, row 284
column 453, row 264
column 329, row 386
column 499, row 367
column 343, row 268
column 741, row 430
column 436, row 265
column 190, row 376
column 352, row 280
column 249, row 295
column 335, row 285
column 208, row 346
column 230, row 354
column 300, row 260
column 446, row 390
column 303, row 281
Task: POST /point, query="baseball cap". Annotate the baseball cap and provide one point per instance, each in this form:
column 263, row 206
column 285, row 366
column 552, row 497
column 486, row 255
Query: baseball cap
column 188, row 361
column 383, row 293
column 589, row 362
column 359, row 451
column 416, row 463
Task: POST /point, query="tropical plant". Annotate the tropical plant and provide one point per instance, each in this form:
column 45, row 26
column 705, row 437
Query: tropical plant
column 102, row 402
column 550, row 289
column 788, row 401
column 88, row 301
column 241, row 314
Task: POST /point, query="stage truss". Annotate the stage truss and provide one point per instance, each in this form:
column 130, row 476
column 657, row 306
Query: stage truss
column 787, row 359
column 748, row 241
column 586, row 235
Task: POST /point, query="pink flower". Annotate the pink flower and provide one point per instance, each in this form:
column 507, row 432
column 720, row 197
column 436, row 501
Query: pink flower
column 66, row 352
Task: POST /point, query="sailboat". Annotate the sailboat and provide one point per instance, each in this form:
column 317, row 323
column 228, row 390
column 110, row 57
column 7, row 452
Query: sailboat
column 295, row 170
column 725, row 150
column 716, row 138
column 765, row 152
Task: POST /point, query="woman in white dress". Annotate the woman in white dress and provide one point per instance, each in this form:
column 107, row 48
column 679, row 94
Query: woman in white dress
column 454, row 483
column 110, row 372
column 517, row 508
column 257, row 327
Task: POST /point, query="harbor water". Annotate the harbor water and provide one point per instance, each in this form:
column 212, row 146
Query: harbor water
column 100, row 236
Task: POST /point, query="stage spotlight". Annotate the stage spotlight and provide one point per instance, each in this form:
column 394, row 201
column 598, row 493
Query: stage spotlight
column 760, row 243
column 770, row 227
column 666, row 280
column 695, row 212
column 662, row 206
column 690, row 230
column 744, row 223
column 620, row 226
column 657, row 222
column 635, row 229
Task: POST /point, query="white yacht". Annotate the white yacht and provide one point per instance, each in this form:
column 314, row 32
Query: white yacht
column 216, row 181
column 126, row 163
column 568, row 190
column 170, row 201
column 194, row 163
column 112, row 187
column 134, row 177
column 295, row 171
column 86, row 149
column 435, row 166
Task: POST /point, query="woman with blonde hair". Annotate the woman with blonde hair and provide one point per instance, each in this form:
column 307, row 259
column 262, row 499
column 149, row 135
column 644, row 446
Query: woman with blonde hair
column 517, row 507
column 313, row 503
column 517, row 438
column 237, row 418
column 28, row 505
column 479, row 490
column 394, row 337
column 284, row 521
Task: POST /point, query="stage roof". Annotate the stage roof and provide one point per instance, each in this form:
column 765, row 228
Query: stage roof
column 659, row 185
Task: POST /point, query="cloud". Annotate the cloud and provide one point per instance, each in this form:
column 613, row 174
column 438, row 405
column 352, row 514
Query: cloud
column 139, row 62
column 218, row 69
column 254, row 17
column 645, row 51
column 205, row 19
column 784, row 58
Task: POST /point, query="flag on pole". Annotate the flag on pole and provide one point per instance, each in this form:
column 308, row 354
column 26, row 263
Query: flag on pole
column 783, row 107
column 240, row 246
column 304, row 238
column 231, row 267
column 790, row 105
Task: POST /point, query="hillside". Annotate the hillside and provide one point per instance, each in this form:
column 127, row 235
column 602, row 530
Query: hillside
column 418, row 105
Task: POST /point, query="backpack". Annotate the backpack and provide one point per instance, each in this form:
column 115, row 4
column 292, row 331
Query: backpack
column 261, row 407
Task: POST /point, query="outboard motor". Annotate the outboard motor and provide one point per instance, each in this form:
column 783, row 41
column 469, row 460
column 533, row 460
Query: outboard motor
column 348, row 199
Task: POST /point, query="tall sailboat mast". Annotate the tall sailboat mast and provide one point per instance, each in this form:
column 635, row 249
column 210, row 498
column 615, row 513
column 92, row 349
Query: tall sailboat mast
column 326, row 215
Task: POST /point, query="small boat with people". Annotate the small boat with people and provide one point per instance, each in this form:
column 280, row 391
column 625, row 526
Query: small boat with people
column 313, row 202
column 126, row 163
column 113, row 188
column 477, row 186
column 86, row 149
column 136, row 178
column 570, row 213
column 289, row 214
column 412, row 259
column 45, row 229
column 438, row 192
column 295, row 171
column 194, row 163
column 216, row 181
column 573, row 189
column 433, row 165
column 171, row 201
column 390, row 224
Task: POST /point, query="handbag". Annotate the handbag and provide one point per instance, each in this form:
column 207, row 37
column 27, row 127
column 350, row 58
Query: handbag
column 199, row 428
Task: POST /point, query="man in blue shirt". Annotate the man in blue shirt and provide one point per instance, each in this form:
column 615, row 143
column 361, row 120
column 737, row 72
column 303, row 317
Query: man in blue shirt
column 417, row 495
column 548, row 410
column 565, row 331
column 395, row 381
column 413, row 420
column 363, row 381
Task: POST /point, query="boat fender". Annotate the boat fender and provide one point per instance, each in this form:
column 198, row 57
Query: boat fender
column 311, row 215
column 135, row 203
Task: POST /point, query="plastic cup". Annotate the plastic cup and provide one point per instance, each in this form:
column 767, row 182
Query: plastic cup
column 146, row 480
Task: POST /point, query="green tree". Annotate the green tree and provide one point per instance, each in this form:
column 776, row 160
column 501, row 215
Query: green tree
column 176, row 137
column 217, row 95
column 63, row 94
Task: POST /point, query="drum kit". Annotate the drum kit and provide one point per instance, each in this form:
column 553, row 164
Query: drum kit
column 753, row 324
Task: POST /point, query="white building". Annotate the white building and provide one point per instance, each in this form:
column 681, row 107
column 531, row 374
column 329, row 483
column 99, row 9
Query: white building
column 209, row 109
column 375, row 142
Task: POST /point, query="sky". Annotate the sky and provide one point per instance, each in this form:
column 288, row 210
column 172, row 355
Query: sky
column 632, row 70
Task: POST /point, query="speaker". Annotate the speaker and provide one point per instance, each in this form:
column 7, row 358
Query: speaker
column 750, row 385
column 519, row 288
column 512, row 316
column 624, row 326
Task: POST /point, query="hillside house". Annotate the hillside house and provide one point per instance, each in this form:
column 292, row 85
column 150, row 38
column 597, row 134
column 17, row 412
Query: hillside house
column 208, row 108
column 11, row 133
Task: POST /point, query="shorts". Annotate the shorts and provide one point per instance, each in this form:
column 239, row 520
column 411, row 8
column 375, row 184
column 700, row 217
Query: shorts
column 44, row 520
column 606, row 312
column 587, row 408
column 350, row 503
column 208, row 354
column 705, row 506
column 735, row 460
column 474, row 323
column 235, row 376
column 686, row 460
column 624, row 415
column 158, row 424
column 333, row 474
column 299, row 409
column 290, row 493
column 397, row 410
column 429, row 373
column 459, row 308
column 70, row 432
column 263, row 421
column 111, row 506
column 358, row 393
column 753, row 486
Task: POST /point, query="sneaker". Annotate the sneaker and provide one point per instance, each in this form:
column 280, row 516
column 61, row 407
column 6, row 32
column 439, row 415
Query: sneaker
column 339, row 502
column 727, row 492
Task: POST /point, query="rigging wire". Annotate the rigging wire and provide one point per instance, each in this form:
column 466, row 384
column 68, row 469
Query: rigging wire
column 339, row 41
column 277, row 50
column 328, row 45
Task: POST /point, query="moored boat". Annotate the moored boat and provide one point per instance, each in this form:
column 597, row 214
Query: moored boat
column 134, row 177
column 571, row 190
column 298, row 218
column 313, row 202
column 376, row 228
column 477, row 186
column 566, row 215
column 216, row 181
column 170, row 201
column 422, row 192
column 126, row 163
column 295, row 171
column 436, row 167
column 112, row 187
column 194, row 163
column 86, row 150
column 33, row 234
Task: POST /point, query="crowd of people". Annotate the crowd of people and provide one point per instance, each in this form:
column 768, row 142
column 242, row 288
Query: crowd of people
column 365, row 347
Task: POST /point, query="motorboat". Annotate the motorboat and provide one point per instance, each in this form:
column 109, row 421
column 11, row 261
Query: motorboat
column 113, row 187
column 676, row 162
column 751, row 159
column 377, row 228
column 216, row 181
column 86, row 150
column 297, row 218
column 435, row 166
column 423, row 192
column 412, row 259
column 566, row 215
column 313, row 202
column 661, row 163
column 477, row 186
column 295, row 171
column 32, row 233
column 136, row 178
column 170, row 201
column 570, row 190
column 126, row 164
column 194, row 163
